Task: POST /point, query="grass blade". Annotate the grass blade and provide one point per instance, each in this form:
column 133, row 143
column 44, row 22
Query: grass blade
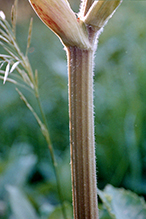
column 42, row 126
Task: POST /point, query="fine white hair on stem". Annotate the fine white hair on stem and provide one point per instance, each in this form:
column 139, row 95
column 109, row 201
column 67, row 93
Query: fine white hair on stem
column 84, row 7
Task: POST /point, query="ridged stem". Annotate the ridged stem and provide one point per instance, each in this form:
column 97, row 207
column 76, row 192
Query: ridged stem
column 82, row 133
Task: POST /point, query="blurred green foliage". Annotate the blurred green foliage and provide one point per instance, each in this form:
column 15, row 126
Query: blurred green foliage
column 120, row 118
column 120, row 204
column 120, row 100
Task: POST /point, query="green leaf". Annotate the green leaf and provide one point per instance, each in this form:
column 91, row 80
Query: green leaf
column 103, row 213
column 21, row 207
column 121, row 203
column 16, row 172
column 57, row 213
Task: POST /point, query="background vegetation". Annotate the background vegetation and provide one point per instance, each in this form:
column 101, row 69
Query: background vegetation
column 120, row 106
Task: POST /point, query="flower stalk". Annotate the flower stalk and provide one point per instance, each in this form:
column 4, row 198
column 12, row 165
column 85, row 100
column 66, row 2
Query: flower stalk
column 82, row 133
column 79, row 36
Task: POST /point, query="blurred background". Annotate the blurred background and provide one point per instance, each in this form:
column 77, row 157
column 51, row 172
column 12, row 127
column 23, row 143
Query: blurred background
column 120, row 110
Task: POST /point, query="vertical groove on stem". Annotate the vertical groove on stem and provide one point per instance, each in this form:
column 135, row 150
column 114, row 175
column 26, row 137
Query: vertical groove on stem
column 82, row 133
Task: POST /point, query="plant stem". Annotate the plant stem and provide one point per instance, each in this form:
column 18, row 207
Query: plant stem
column 80, row 67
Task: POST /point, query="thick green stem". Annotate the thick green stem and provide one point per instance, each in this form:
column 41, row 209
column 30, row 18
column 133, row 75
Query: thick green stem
column 82, row 133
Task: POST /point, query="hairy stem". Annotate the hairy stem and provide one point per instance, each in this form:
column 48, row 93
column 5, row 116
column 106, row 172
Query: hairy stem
column 82, row 133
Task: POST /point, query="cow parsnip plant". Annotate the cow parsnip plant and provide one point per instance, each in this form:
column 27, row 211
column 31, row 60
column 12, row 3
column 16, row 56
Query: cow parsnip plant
column 79, row 35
